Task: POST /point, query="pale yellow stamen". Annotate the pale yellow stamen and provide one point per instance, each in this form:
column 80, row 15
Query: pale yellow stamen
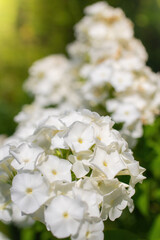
column 126, row 113
column 79, row 158
column 2, row 207
column 87, row 234
column 40, row 75
column 99, row 138
column 54, row 132
column 99, row 183
column 26, row 160
column 80, row 140
column 29, row 190
column 65, row 215
column 54, row 172
column 104, row 163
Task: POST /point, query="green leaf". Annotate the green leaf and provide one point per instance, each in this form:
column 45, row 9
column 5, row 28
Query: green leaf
column 155, row 230
column 155, row 167
column 119, row 234
column 27, row 234
column 143, row 199
column 4, row 229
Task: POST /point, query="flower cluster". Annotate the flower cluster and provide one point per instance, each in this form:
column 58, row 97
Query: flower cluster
column 50, row 81
column 69, row 174
column 111, row 69
column 31, row 116
column 107, row 66
column 9, row 212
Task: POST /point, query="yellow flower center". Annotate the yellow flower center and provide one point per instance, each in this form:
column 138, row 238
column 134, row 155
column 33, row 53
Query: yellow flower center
column 80, row 140
column 54, row 172
column 79, row 158
column 40, row 75
column 29, row 190
column 126, row 113
column 87, row 234
column 99, row 183
column 99, row 138
column 26, row 160
column 65, row 215
column 105, row 163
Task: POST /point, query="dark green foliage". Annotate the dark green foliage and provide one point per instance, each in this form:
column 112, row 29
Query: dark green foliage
column 120, row 235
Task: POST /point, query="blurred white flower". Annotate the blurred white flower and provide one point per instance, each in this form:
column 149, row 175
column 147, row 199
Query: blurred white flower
column 50, row 81
column 110, row 65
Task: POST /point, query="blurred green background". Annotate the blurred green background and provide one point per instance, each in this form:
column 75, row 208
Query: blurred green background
column 33, row 29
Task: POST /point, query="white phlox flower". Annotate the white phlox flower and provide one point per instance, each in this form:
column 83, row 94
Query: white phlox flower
column 90, row 230
column 29, row 191
column 56, row 169
column 122, row 80
column 80, row 137
column 109, row 163
column 68, row 215
column 126, row 113
column 46, row 71
column 114, row 203
column 50, row 81
column 25, row 156
column 91, row 199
